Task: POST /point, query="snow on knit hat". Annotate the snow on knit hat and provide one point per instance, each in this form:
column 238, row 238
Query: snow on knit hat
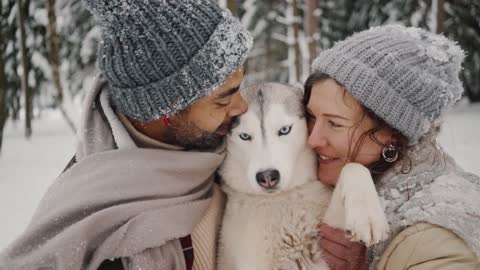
column 159, row 56
column 406, row 76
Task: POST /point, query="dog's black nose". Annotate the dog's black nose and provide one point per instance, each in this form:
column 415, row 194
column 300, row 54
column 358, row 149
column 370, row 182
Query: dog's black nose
column 268, row 179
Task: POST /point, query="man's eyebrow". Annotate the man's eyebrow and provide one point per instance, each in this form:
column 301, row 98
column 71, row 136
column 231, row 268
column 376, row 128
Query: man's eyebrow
column 227, row 93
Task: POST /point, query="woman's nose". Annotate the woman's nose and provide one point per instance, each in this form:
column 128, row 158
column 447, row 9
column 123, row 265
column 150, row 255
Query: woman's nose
column 316, row 137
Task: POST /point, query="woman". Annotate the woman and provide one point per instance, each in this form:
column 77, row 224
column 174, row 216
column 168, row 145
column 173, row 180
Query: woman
column 377, row 98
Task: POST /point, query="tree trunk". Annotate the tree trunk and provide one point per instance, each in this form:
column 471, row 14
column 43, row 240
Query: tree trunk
column 232, row 5
column 3, row 80
column 53, row 49
column 296, row 29
column 54, row 59
column 15, row 106
column 440, row 16
column 311, row 29
column 292, row 72
column 269, row 49
column 26, row 91
column 294, row 54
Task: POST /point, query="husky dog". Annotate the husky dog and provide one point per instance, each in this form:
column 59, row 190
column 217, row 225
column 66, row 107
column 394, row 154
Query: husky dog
column 275, row 202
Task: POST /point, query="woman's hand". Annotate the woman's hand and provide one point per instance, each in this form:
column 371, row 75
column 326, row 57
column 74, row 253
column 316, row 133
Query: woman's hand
column 339, row 252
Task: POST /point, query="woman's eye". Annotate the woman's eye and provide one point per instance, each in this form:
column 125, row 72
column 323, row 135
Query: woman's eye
column 284, row 130
column 245, row 137
column 333, row 124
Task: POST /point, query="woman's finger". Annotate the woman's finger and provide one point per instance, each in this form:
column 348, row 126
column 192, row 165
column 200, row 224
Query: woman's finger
column 334, row 234
column 334, row 248
column 339, row 251
column 334, row 262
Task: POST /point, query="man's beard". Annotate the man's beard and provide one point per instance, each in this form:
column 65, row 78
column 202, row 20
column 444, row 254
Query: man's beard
column 191, row 137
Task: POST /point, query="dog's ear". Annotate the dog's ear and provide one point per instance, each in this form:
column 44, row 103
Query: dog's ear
column 248, row 91
column 298, row 90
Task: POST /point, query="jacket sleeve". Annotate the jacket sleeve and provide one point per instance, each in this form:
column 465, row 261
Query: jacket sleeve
column 424, row 246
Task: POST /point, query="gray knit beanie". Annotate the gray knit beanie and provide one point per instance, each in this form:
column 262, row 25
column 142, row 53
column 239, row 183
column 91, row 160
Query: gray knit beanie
column 406, row 76
column 159, row 56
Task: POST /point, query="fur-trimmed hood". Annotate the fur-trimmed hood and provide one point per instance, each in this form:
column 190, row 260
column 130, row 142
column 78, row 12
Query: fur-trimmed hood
column 436, row 191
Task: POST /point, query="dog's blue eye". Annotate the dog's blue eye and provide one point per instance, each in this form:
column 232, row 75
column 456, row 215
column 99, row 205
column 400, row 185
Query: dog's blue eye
column 284, row 130
column 245, row 137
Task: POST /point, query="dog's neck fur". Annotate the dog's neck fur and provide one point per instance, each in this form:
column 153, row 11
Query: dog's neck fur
column 270, row 218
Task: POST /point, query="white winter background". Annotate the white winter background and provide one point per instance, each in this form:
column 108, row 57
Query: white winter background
column 27, row 168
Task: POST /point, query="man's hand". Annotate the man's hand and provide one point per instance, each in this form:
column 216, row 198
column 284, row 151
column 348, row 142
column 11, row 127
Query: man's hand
column 339, row 252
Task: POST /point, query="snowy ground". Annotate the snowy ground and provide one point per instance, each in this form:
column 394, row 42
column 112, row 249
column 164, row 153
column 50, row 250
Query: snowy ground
column 460, row 136
column 28, row 167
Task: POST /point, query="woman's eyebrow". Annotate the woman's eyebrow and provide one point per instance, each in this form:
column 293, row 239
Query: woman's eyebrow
column 327, row 114
column 336, row 116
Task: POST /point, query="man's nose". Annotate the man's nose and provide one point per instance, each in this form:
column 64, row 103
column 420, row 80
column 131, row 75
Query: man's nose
column 238, row 106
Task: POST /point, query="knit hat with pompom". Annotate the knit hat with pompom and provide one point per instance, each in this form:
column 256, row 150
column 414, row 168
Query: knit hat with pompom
column 405, row 75
column 159, row 56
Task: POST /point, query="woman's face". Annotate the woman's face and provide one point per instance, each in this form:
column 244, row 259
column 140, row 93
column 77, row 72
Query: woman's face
column 336, row 121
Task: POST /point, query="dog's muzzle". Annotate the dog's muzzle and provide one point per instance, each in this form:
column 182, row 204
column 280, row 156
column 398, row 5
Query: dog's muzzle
column 268, row 179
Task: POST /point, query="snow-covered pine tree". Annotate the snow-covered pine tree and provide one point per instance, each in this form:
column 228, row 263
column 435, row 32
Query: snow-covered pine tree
column 461, row 22
column 364, row 13
column 79, row 36
column 335, row 21
column 311, row 13
column 38, row 68
column 264, row 19
column 22, row 8
column 10, row 57
column 463, row 25
column 3, row 76
column 54, row 60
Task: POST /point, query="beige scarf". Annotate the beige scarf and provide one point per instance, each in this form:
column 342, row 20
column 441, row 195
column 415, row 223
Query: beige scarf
column 130, row 202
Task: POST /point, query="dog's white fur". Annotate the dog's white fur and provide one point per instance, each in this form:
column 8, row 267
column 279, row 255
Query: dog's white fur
column 265, row 229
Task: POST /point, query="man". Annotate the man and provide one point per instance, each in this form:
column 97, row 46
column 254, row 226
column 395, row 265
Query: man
column 140, row 194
